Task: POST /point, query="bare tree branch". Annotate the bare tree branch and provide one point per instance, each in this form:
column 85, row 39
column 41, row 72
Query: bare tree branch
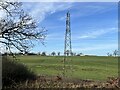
column 18, row 29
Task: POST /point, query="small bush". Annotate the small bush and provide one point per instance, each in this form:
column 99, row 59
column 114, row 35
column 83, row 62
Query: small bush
column 14, row 72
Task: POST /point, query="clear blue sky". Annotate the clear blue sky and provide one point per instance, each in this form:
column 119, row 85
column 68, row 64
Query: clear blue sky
column 94, row 26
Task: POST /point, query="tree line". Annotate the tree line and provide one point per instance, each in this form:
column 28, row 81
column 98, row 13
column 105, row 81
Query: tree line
column 114, row 53
column 42, row 53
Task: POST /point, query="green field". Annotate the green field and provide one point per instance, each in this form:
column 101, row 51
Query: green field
column 84, row 67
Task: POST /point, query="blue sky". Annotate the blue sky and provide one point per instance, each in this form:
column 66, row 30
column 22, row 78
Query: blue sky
column 94, row 26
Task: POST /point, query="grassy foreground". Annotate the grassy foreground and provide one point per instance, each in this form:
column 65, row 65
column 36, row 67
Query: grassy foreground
column 84, row 67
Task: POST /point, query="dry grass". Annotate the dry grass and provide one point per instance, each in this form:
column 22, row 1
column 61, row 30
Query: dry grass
column 54, row 82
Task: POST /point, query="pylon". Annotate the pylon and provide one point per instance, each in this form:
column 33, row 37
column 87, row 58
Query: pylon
column 67, row 44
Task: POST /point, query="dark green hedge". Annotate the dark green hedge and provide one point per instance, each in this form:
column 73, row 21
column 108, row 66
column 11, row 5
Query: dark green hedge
column 14, row 72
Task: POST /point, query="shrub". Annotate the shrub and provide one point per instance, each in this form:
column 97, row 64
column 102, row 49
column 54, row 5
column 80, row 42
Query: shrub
column 14, row 72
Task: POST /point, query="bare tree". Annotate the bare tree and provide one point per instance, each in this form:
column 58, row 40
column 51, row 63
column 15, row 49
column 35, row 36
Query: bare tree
column 18, row 29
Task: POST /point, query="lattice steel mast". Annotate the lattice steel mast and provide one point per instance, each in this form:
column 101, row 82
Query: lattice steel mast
column 67, row 46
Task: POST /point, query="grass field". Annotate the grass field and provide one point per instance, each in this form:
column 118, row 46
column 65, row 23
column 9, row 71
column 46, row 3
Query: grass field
column 84, row 67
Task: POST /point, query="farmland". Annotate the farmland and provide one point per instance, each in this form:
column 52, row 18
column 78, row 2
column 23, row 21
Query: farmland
column 83, row 67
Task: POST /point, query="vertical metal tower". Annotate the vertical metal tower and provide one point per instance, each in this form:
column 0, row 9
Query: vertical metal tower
column 67, row 46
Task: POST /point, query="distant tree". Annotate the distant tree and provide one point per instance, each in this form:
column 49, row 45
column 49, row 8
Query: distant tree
column 108, row 54
column 53, row 53
column 81, row 54
column 43, row 54
column 67, row 52
column 31, row 53
column 39, row 53
column 58, row 53
column 78, row 54
column 115, row 53
column 72, row 54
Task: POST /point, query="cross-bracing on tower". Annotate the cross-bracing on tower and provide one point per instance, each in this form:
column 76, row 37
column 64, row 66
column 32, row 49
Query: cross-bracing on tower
column 67, row 44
